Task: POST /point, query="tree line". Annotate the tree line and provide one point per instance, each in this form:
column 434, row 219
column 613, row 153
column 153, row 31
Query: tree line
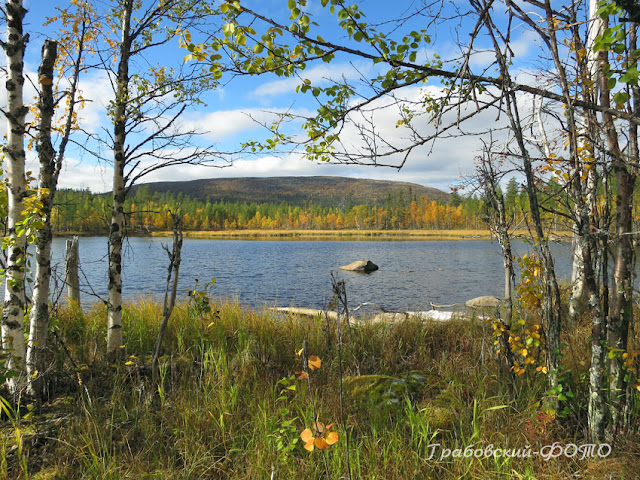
column 147, row 210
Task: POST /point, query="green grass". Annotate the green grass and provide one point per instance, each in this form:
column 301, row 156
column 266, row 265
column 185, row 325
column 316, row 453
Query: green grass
column 220, row 411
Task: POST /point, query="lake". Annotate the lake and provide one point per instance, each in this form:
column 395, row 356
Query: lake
column 291, row 272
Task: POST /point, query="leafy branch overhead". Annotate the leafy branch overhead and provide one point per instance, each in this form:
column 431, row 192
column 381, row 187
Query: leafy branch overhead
column 398, row 61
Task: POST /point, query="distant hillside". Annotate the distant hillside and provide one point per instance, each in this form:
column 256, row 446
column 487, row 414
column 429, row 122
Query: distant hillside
column 324, row 191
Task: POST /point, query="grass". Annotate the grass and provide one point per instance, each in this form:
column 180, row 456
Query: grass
column 222, row 409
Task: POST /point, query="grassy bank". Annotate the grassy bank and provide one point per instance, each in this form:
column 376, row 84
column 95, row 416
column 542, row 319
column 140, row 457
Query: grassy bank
column 351, row 234
column 223, row 410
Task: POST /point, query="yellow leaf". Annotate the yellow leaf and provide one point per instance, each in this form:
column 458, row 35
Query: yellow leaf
column 309, row 445
column 332, row 438
column 129, row 363
column 306, row 435
column 314, row 362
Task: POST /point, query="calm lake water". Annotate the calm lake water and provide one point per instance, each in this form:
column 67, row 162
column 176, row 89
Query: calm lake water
column 286, row 272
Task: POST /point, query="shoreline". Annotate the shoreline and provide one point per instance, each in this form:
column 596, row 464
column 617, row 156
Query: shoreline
column 463, row 234
column 354, row 234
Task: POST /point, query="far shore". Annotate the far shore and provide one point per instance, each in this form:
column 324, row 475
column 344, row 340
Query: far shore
column 355, row 234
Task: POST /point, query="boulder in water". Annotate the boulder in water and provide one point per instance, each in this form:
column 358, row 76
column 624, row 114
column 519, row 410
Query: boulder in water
column 360, row 266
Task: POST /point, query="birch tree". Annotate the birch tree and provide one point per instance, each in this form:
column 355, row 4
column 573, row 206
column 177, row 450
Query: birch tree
column 499, row 224
column 145, row 113
column 39, row 324
column 64, row 57
column 14, row 300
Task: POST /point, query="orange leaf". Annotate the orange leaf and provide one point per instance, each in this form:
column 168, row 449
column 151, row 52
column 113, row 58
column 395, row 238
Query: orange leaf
column 309, row 445
column 321, row 443
column 331, row 438
column 314, row 362
column 301, row 375
column 307, row 435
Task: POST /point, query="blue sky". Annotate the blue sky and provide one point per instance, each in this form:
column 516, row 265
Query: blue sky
column 228, row 117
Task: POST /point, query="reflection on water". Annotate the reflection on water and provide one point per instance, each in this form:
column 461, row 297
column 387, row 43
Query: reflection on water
column 412, row 273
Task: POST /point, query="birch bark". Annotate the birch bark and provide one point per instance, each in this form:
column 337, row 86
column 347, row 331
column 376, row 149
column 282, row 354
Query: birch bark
column 39, row 317
column 116, row 231
column 14, row 298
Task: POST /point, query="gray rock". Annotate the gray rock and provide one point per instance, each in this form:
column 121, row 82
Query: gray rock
column 360, row 266
column 486, row 301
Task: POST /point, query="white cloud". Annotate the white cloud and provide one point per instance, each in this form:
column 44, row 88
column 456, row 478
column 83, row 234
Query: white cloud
column 320, row 74
column 96, row 90
column 438, row 165
column 80, row 175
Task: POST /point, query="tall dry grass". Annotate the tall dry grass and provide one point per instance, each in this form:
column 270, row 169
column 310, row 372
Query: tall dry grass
column 221, row 409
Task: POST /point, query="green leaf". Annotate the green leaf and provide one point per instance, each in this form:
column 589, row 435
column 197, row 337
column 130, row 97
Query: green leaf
column 621, row 98
column 619, row 48
column 630, row 76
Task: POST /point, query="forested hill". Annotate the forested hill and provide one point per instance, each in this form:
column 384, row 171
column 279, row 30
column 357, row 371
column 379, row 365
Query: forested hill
column 297, row 191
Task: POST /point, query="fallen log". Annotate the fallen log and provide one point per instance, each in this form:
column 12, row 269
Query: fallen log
column 308, row 312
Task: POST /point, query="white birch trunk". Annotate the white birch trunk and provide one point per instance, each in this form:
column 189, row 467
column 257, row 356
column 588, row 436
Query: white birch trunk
column 116, row 234
column 50, row 166
column 39, row 315
column 597, row 404
column 13, row 309
column 576, row 298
